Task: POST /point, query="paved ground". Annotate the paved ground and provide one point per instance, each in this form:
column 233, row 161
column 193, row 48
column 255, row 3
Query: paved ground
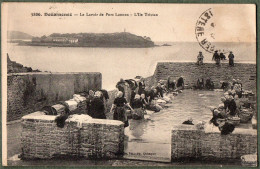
column 14, row 131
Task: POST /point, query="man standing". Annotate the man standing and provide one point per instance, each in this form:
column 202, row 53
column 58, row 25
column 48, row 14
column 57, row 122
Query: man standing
column 231, row 59
column 200, row 58
column 216, row 57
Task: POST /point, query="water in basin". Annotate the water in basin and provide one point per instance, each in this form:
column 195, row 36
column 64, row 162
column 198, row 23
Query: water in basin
column 189, row 104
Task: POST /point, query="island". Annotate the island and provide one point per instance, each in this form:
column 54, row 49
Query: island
column 120, row 39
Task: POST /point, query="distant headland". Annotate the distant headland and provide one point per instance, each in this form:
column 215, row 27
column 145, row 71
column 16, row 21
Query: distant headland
column 120, row 39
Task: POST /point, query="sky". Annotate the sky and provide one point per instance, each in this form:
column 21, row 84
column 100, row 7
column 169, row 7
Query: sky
column 175, row 22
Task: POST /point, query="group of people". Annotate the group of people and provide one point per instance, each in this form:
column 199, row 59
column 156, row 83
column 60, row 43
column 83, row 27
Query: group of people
column 235, row 86
column 231, row 106
column 141, row 98
column 97, row 103
column 131, row 96
column 136, row 98
column 172, row 85
column 217, row 57
column 209, row 84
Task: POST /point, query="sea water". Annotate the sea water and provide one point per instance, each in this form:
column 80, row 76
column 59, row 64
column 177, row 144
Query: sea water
column 116, row 63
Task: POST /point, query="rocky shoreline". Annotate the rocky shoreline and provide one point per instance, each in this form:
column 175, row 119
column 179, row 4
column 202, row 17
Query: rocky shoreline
column 13, row 67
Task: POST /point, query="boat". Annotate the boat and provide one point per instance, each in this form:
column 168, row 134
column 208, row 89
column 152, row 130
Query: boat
column 166, row 44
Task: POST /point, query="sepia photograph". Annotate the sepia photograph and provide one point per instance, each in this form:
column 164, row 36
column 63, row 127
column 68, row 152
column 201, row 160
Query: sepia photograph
column 129, row 84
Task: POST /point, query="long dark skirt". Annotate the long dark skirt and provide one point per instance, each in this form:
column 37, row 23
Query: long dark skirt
column 99, row 115
column 217, row 61
column 231, row 62
column 119, row 114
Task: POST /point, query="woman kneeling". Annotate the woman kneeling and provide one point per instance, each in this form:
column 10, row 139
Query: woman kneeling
column 138, row 107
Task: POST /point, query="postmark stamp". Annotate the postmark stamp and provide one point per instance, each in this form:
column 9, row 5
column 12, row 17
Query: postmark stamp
column 205, row 31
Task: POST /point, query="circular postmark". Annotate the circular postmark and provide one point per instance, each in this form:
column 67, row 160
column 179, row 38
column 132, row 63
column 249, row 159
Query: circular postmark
column 205, row 31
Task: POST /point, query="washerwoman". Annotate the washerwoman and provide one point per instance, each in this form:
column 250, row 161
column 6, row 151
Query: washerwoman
column 138, row 108
column 119, row 108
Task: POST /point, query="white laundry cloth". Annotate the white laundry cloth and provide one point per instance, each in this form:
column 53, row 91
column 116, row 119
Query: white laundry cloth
column 72, row 104
column 78, row 98
column 79, row 119
column 161, row 101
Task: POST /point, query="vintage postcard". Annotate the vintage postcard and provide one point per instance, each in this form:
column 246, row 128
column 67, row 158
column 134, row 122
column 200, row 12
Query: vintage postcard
column 129, row 84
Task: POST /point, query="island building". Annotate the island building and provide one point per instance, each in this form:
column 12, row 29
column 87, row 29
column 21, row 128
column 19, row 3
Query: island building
column 56, row 40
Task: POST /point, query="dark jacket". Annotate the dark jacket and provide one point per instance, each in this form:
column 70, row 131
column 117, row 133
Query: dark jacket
column 170, row 85
column 141, row 88
column 215, row 56
column 150, row 94
column 137, row 104
column 120, row 102
column 104, row 94
column 180, row 82
column 132, row 97
column 231, row 56
column 232, row 107
column 200, row 82
column 224, row 85
column 222, row 56
column 159, row 91
column 97, row 109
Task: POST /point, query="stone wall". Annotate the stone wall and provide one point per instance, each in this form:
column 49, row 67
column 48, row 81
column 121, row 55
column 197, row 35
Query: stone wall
column 81, row 136
column 209, row 144
column 191, row 72
column 29, row 92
